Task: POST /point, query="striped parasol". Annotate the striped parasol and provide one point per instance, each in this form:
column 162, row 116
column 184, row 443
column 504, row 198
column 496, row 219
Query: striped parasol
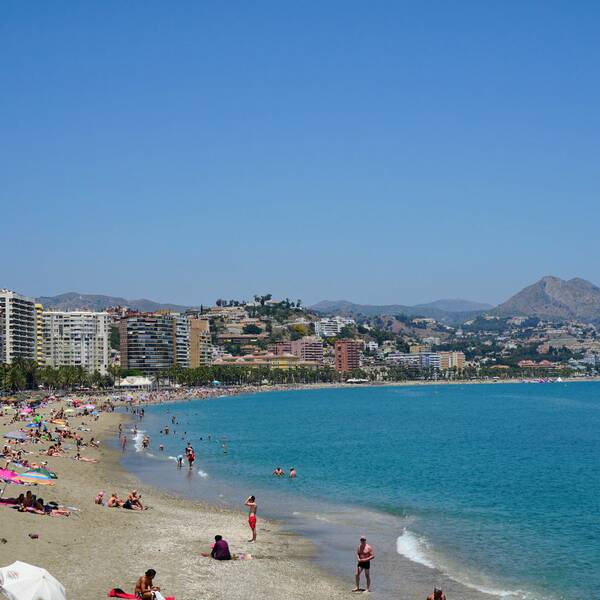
column 34, row 477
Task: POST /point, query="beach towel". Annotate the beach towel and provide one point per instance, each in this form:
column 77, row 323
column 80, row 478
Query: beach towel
column 118, row 593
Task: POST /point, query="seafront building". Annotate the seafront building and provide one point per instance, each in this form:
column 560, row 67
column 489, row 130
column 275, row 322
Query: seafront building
column 75, row 338
column 270, row 360
column 17, row 327
column 154, row 342
column 452, row 360
column 201, row 350
column 415, row 360
column 39, row 337
column 347, row 356
column 181, row 334
column 147, row 343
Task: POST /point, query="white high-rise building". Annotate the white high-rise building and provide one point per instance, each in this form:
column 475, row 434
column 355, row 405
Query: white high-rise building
column 76, row 338
column 17, row 327
column 332, row 326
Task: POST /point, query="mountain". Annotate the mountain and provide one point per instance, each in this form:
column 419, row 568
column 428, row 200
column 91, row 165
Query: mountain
column 456, row 305
column 75, row 301
column 451, row 314
column 554, row 298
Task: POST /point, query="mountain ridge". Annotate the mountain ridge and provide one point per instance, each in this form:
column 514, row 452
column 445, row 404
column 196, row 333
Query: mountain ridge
column 430, row 310
column 99, row 302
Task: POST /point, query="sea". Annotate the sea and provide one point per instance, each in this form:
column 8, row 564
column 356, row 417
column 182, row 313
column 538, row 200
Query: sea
column 496, row 487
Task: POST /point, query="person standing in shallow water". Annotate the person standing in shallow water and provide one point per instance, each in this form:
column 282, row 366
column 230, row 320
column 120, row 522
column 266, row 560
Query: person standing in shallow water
column 251, row 504
column 364, row 555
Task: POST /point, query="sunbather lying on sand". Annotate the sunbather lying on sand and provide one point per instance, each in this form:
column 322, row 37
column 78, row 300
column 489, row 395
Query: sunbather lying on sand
column 83, row 459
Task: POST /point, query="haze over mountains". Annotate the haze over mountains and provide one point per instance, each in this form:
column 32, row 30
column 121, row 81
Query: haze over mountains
column 549, row 298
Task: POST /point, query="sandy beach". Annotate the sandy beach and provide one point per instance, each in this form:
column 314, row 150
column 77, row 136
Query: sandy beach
column 97, row 548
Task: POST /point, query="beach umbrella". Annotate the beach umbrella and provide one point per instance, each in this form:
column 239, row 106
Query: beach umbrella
column 89, row 406
column 22, row 581
column 37, row 418
column 42, row 470
column 34, row 477
column 27, row 410
column 15, row 435
column 7, row 474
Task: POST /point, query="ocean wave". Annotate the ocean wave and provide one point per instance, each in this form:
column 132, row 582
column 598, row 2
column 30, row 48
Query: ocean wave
column 138, row 438
column 202, row 473
column 417, row 550
column 413, row 548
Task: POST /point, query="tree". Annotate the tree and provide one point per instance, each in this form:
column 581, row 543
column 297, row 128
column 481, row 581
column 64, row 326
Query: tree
column 252, row 329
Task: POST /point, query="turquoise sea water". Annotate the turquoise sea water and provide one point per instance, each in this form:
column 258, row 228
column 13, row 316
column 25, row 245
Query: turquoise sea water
column 497, row 486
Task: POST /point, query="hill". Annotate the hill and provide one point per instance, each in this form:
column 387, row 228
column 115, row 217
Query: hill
column 432, row 310
column 456, row 305
column 76, row 301
column 555, row 299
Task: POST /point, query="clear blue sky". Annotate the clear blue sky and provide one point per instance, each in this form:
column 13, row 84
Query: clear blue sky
column 372, row 151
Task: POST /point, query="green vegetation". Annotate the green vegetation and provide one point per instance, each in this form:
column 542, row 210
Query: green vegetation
column 27, row 375
column 252, row 329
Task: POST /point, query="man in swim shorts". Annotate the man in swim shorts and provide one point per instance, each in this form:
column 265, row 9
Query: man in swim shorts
column 251, row 504
column 364, row 555
column 437, row 595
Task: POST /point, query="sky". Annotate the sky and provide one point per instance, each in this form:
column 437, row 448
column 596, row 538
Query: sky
column 378, row 152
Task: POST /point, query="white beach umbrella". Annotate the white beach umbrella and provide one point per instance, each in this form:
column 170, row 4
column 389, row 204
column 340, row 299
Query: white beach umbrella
column 21, row 581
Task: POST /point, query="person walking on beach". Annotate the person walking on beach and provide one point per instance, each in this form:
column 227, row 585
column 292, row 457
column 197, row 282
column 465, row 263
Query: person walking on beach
column 364, row 555
column 251, row 504
column 437, row 595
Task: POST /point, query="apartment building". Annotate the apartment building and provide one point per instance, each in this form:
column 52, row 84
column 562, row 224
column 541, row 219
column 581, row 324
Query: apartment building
column 17, row 327
column 332, row 326
column 75, row 338
column 200, row 343
column 308, row 349
column 451, row 360
column 347, row 355
column 181, row 340
column 39, row 338
column 147, row 343
column 414, row 360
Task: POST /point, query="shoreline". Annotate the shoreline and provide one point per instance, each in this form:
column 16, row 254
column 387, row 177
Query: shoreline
column 119, row 545
column 173, row 395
